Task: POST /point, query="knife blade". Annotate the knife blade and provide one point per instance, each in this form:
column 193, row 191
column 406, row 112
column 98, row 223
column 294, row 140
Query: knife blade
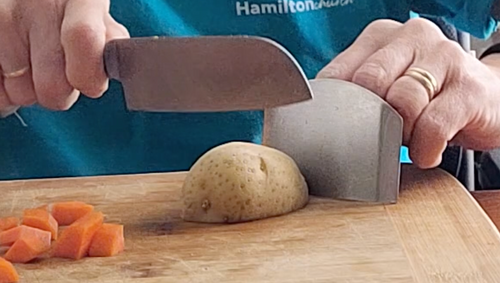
column 207, row 73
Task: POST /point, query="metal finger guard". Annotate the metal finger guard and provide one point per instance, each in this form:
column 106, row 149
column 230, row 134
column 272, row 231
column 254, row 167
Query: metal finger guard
column 346, row 141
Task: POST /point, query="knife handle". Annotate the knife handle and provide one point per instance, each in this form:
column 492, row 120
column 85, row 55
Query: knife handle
column 111, row 60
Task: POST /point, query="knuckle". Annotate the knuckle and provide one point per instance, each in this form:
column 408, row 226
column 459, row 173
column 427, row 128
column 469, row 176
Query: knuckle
column 53, row 95
column 418, row 23
column 404, row 100
column 88, row 87
column 451, row 48
column 420, row 26
column 377, row 32
column 381, row 25
column 22, row 100
column 372, row 76
column 53, row 90
column 83, row 34
column 53, row 104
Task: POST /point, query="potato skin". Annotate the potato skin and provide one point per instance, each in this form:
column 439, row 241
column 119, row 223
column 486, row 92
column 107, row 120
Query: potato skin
column 240, row 181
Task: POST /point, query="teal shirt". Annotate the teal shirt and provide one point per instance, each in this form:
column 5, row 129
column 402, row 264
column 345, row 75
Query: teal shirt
column 97, row 137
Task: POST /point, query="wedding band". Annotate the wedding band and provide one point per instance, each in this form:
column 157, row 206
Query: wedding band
column 425, row 78
column 16, row 74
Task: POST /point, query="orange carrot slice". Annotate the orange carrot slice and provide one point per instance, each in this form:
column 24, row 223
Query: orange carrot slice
column 41, row 219
column 107, row 241
column 8, row 223
column 74, row 241
column 66, row 213
column 43, row 207
column 9, row 237
column 8, row 273
column 29, row 246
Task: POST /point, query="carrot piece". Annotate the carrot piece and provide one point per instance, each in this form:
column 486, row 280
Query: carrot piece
column 29, row 246
column 66, row 213
column 7, row 238
column 74, row 241
column 107, row 241
column 43, row 207
column 8, row 273
column 41, row 219
column 8, row 223
column 3, row 250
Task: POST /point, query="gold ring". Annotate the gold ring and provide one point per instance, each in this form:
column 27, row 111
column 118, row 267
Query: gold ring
column 425, row 78
column 16, row 74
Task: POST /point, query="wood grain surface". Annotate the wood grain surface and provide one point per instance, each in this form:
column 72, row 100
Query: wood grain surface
column 490, row 202
column 435, row 233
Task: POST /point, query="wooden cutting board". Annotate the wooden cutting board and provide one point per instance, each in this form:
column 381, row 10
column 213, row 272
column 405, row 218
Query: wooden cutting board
column 436, row 233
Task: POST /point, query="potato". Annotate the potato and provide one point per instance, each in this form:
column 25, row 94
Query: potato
column 239, row 181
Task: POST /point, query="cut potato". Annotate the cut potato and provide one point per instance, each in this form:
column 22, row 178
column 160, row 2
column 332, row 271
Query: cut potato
column 239, row 181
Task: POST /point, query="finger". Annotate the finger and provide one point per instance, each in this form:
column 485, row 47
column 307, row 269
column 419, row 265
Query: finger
column 83, row 38
column 415, row 39
column 16, row 58
column 437, row 125
column 373, row 37
column 114, row 30
column 409, row 97
column 4, row 99
column 51, row 85
column 379, row 71
column 405, row 96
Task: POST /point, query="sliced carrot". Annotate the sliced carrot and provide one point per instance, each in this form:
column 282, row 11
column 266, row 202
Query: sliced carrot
column 41, row 219
column 66, row 213
column 7, row 238
column 74, row 241
column 8, row 223
column 29, row 246
column 107, row 241
column 43, row 207
column 8, row 273
column 3, row 250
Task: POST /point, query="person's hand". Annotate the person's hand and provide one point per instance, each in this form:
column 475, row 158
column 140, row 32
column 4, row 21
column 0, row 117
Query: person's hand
column 464, row 108
column 51, row 50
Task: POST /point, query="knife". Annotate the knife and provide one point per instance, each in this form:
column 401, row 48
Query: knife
column 206, row 73
column 203, row 74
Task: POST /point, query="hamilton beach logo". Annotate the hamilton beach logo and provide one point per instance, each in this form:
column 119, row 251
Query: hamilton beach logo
column 246, row 8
